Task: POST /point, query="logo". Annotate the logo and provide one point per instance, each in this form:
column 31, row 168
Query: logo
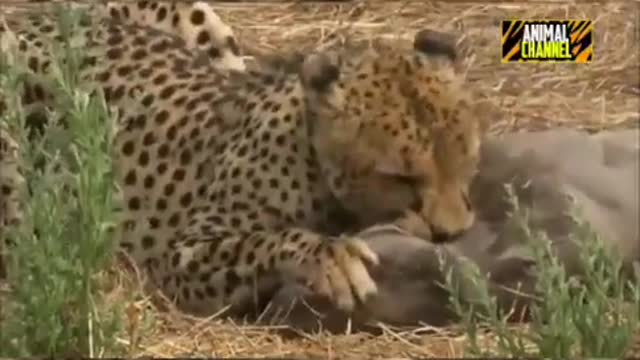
column 547, row 41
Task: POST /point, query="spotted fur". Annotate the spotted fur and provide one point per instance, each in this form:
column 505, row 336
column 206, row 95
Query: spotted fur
column 195, row 22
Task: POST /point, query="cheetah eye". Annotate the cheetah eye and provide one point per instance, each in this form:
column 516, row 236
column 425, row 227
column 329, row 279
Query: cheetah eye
column 404, row 179
column 414, row 184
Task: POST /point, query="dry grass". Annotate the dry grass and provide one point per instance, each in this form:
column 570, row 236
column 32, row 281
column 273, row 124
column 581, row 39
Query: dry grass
column 604, row 94
column 601, row 95
column 156, row 329
column 169, row 333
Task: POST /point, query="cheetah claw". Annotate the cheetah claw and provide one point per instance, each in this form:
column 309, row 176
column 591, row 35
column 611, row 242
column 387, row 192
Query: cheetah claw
column 344, row 277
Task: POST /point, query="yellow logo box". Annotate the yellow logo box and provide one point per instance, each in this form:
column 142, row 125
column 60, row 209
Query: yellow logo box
column 547, row 41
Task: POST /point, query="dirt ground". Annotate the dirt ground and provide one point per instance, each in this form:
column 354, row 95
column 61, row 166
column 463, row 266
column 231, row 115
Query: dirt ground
column 603, row 94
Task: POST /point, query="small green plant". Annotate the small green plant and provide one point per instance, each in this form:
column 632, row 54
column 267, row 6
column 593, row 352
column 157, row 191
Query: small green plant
column 480, row 310
column 607, row 300
column 65, row 240
column 593, row 314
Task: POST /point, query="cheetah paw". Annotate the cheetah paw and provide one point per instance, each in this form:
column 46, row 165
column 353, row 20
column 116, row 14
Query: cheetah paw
column 343, row 276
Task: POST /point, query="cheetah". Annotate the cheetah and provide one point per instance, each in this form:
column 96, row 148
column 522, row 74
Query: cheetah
column 228, row 178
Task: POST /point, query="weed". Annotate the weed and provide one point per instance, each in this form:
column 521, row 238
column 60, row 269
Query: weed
column 571, row 313
column 65, row 240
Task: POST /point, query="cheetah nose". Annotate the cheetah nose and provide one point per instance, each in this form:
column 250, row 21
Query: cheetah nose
column 442, row 237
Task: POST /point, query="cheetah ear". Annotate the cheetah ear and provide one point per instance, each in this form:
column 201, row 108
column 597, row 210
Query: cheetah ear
column 436, row 43
column 319, row 75
column 320, row 72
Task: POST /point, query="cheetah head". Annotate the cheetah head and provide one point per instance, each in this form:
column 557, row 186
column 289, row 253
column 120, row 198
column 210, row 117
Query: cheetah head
column 395, row 132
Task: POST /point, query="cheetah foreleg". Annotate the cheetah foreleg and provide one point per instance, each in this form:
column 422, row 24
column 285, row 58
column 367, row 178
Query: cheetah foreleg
column 229, row 262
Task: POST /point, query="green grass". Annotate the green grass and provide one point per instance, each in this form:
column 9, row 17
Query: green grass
column 594, row 315
column 55, row 307
column 65, row 241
